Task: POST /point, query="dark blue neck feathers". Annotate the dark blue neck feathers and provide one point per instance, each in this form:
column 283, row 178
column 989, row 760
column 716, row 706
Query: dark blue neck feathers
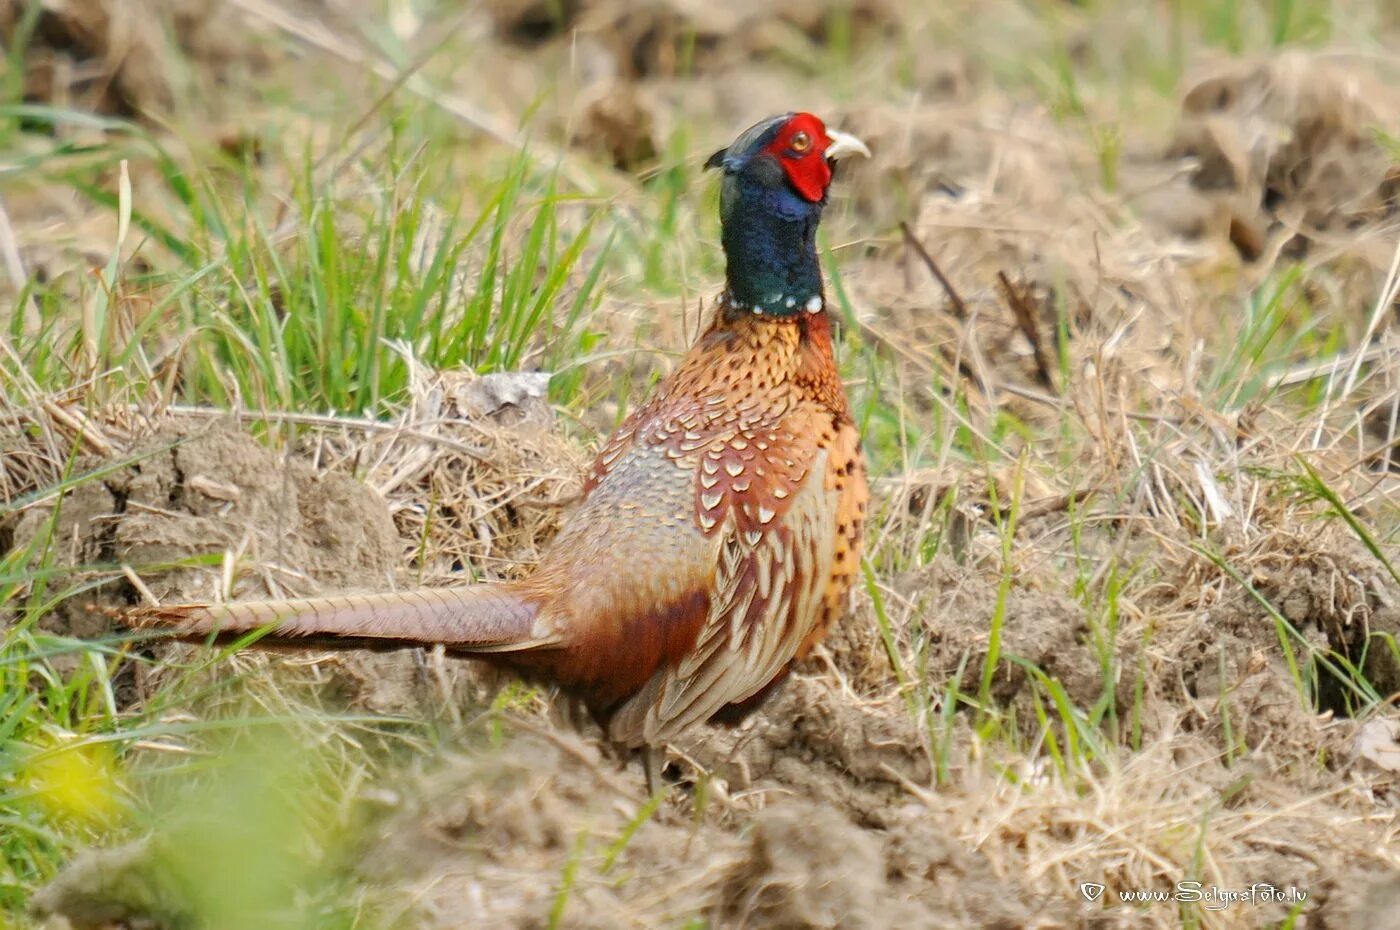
column 769, row 235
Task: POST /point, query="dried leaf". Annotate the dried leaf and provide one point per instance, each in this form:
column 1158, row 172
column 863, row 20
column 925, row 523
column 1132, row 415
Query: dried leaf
column 1379, row 741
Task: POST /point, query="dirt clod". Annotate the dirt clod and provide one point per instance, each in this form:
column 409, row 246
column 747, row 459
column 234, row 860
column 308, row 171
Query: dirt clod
column 1288, row 142
column 617, row 122
column 807, row 866
column 215, row 492
column 113, row 56
column 1047, row 630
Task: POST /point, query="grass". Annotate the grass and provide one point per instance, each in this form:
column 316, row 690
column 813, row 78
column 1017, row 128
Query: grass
column 325, row 310
column 319, row 305
column 1178, row 471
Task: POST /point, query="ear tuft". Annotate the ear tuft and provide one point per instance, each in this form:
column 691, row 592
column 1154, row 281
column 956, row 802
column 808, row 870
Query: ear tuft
column 716, row 160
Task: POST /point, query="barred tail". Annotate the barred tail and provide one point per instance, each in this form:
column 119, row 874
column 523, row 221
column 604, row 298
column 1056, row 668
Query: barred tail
column 478, row 618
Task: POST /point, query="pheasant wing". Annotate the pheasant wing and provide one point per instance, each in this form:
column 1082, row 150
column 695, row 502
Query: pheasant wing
column 769, row 585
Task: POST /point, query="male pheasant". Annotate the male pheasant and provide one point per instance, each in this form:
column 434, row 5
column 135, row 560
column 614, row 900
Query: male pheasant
column 721, row 525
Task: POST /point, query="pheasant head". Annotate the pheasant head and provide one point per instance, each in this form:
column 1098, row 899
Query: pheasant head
column 776, row 176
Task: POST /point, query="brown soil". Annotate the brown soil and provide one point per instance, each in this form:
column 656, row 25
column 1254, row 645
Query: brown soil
column 245, row 521
column 216, row 494
column 1289, row 146
column 818, row 810
column 216, row 490
column 111, row 56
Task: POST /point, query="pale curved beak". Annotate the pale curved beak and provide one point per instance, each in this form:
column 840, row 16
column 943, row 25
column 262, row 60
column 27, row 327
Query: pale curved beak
column 843, row 144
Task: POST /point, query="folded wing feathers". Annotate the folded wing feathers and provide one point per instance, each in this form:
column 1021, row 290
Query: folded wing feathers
column 766, row 597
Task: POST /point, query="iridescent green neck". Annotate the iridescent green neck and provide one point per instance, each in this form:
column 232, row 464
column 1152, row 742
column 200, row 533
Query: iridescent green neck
column 769, row 236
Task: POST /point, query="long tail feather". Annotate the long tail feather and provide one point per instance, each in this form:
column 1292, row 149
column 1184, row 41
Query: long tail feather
column 479, row 618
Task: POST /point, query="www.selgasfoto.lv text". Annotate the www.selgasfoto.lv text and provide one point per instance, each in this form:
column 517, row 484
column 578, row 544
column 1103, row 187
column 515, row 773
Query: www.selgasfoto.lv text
column 1211, row 897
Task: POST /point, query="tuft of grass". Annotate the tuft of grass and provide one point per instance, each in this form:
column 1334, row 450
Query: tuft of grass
column 1312, row 486
column 1007, row 528
column 567, row 880
column 1311, row 666
column 1278, row 326
column 310, row 291
column 326, row 308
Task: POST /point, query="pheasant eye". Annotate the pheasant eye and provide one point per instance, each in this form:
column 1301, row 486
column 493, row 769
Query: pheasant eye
column 800, row 142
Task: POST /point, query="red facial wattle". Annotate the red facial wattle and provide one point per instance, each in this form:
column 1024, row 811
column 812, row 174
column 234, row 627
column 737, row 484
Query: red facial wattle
column 806, row 167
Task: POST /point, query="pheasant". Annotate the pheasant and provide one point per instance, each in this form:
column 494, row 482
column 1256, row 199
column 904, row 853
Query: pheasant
column 720, row 527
